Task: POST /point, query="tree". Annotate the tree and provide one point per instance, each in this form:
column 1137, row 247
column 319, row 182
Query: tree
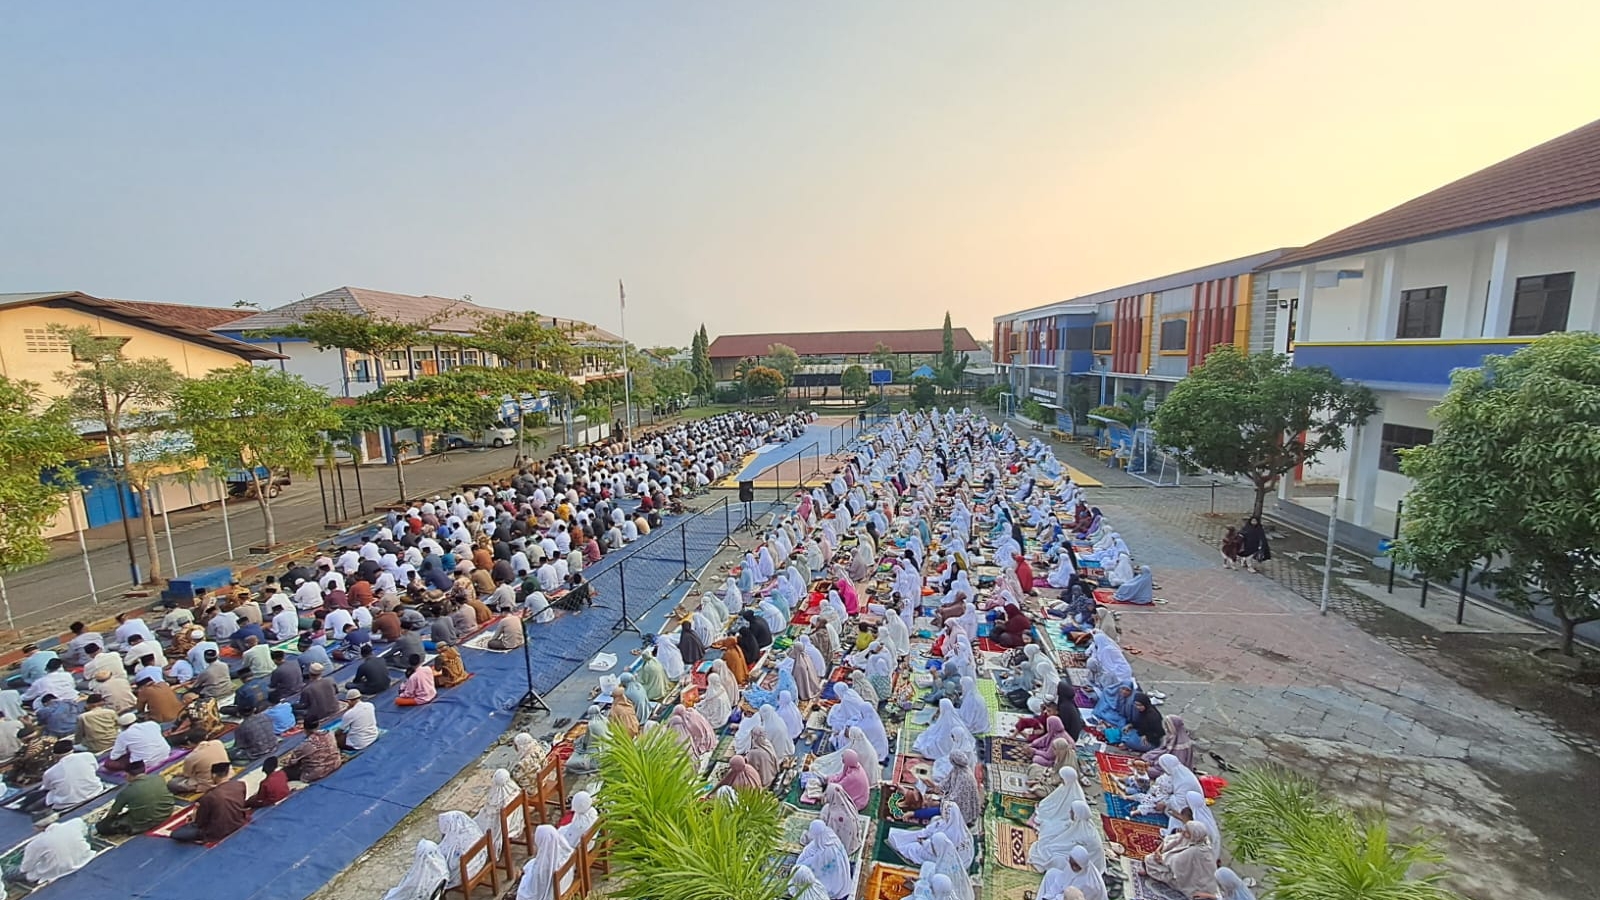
column 950, row 368
column 884, row 356
column 369, row 336
column 1511, row 477
column 783, row 358
column 922, row 393
column 674, row 382
column 37, row 447
column 1080, row 399
column 525, row 340
column 1258, row 416
column 700, row 363
column 762, row 381
column 855, row 382
column 257, row 420
column 1135, row 407
column 1313, row 848
column 671, row 842
column 132, row 399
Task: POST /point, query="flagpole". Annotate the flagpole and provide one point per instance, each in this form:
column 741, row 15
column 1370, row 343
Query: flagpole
column 627, row 370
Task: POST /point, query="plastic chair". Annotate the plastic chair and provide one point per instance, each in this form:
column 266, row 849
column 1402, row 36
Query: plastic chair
column 489, row 873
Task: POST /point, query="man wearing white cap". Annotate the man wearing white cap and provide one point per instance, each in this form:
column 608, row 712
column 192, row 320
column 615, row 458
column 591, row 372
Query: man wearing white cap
column 139, row 740
column 360, row 723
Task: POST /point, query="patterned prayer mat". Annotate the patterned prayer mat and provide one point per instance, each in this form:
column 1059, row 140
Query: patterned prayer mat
column 908, row 767
column 11, row 865
column 794, row 829
column 1010, row 779
column 1010, row 751
column 889, row 882
column 1017, row 809
column 1009, row 842
column 1117, row 764
column 1123, row 808
column 1005, row 722
column 1142, row 887
column 1139, row 839
column 990, row 692
column 1001, row 883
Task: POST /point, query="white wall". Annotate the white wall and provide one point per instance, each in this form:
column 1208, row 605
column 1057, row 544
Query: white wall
column 1569, row 243
column 1399, row 409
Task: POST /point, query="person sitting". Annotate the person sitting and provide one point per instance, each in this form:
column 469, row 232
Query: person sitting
column 55, row 680
column 1185, row 861
column 372, row 675
column 360, row 723
column 451, row 670
column 315, row 759
column 508, row 634
column 419, row 687
column 319, row 699
column 287, row 679
column 252, row 694
column 221, row 812
column 281, row 714
column 408, row 645
column 35, row 754
column 61, row 849
column 1140, row 591
column 311, row 653
column 201, row 768
column 97, row 726
column 141, row 805
column 71, row 780
column 139, row 740
column 199, row 721
column 254, row 738
column 58, row 716
column 274, row 788
column 257, row 656
column 214, row 681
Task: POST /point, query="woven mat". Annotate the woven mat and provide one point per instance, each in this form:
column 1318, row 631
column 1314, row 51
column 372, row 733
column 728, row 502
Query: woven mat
column 1009, row 779
column 481, row 641
column 1138, row 839
column 1005, row 722
column 1009, row 843
column 1001, row 883
column 1010, row 751
column 1017, row 809
column 794, row 829
column 11, row 865
column 1117, row 764
column 1142, row 887
column 990, row 692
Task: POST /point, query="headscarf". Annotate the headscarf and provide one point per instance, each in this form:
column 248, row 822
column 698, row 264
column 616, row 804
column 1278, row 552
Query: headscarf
column 713, row 704
column 1080, row 827
column 777, row 731
column 1200, row 812
column 693, row 725
column 915, row 846
column 833, row 763
column 731, row 681
column 761, row 757
column 1233, row 887
column 974, row 711
column 1043, row 745
column 1058, row 804
column 1085, row 877
column 895, row 635
column 690, row 647
column 1176, row 743
column 853, row 778
column 551, row 852
column 458, row 834
column 839, row 813
column 960, row 786
column 945, row 861
column 803, row 885
column 622, row 713
column 1139, row 589
column 670, row 658
column 634, row 688
column 741, row 775
column 945, row 734
column 584, row 815
column 857, row 711
column 426, row 874
column 1193, row 865
column 828, row 859
column 789, row 712
column 502, row 790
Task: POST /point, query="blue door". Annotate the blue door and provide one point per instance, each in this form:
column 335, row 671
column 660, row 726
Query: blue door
column 100, row 498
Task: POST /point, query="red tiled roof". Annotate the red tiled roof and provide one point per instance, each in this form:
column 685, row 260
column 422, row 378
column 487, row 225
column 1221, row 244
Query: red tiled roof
column 1559, row 175
column 841, row 343
column 198, row 316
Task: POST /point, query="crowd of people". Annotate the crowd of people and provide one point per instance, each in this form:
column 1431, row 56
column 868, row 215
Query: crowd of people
column 276, row 684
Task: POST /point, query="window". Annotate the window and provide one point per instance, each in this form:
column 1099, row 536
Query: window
column 361, row 371
column 1541, row 303
column 1102, row 337
column 42, row 340
column 1400, row 437
column 1421, row 313
column 1174, row 335
column 1079, row 339
column 469, row 357
column 394, row 360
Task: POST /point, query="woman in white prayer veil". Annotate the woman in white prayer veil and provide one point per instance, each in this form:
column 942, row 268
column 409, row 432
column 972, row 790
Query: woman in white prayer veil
column 502, row 790
column 803, row 885
column 895, row 635
column 745, row 733
column 940, row 738
column 459, row 833
column 731, row 598
column 915, row 845
column 551, row 852
column 1057, row 806
column 946, row 861
column 1120, row 572
column 1195, row 801
column 777, row 730
column 584, row 815
column 974, row 711
column 1058, row 836
column 765, row 567
column 825, row 855
column 667, row 654
column 425, row 877
column 703, row 628
column 789, row 712
column 831, row 764
column 714, row 703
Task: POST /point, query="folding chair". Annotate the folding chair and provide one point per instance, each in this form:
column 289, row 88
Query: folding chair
column 489, row 872
column 548, row 800
column 515, row 813
column 595, row 848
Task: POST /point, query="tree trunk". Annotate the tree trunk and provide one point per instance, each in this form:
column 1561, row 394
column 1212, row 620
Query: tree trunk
column 1569, row 630
column 400, row 474
column 1261, row 499
column 266, row 516
column 148, row 521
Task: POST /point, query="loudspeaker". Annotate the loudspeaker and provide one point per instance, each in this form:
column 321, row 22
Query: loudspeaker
column 747, row 492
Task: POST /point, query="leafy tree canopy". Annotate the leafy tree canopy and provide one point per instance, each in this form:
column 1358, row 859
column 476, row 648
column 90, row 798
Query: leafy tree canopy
column 675, row 381
column 783, row 358
column 1526, row 429
column 1258, row 416
column 855, row 381
column 762, row 381
column 525, row 340
column 335, row 329
column 37, row 446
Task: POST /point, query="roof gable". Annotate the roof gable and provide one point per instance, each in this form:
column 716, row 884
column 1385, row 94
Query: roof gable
column 1559, row 175
column 842, row 343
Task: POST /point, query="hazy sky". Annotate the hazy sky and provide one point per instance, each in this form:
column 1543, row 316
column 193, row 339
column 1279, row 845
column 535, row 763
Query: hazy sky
column 755, row 166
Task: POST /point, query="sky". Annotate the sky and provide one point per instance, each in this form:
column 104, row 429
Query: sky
column 755, row 167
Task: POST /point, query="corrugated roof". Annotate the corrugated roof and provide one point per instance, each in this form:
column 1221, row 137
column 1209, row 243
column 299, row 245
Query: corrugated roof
column 199, row 316
column 841, row 343
column 1559, row 175
column 172, row 318
column 454, row 316
column 1087, row 302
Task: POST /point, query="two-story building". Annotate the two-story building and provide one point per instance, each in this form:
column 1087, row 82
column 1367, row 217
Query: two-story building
column 1478, row 267
column 1141, row 336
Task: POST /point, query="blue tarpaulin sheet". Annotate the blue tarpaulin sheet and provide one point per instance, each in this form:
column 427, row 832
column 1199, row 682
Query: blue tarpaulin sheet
column 818, row 436
column 290, row 851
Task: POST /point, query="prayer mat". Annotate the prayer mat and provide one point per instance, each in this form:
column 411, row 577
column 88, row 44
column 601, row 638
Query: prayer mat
column 15, row 803
column 193, row 796
column 1123, row 808
column 1012, row 751
column 1143, row 887
column 1138, row 839
column 1010, row 844
column 990, row 692
column 1010, row 780
column 1017, row 809
column 1002, row 883
column 985, row 645
column 794, row 828
column 907, row 767
column 481, row 642
column 889, row 882
column 1005, row 722
column 122, row 778
column 11, row 865
column 1117, row 765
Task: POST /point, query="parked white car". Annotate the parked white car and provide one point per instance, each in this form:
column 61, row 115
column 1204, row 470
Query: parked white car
column 488, row 437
